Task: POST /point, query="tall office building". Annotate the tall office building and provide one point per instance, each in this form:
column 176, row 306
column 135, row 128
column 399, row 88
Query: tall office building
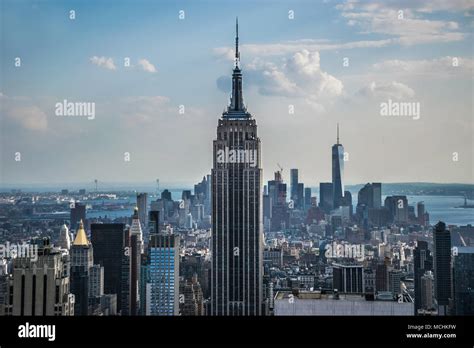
column 192, row 304
column 81, row 261
column 125, row 276
column 300, row 196
column 136, row 251
column 41, row 287
column 153, row 222
column 369, row 205
column 463, row 281
column 64, row 240
column 394, row 282
column 278, row 207
column 142, row 205
column 326, row 196
column 370, row 195
column 423, row 262
column 442, row 266
column 294, row 184
column 78, row 213
column 162, row 288
column 427, row 291
column 337, row 172
column 420, row 210
column 237, row 229
column 96, row 281
column 307, row 198
column 108, row 241
column 398, row 208
column 381, row 277
column 347, row 201
column 166, row 195
column 348, row 278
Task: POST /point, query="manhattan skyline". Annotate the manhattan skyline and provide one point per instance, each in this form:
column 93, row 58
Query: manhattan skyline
column 185, row 67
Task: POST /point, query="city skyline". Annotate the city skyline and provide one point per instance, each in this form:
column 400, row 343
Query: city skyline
column 296, row 67
column 177, row 164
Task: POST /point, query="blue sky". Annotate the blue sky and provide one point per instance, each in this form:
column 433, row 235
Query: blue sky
column 285, row 62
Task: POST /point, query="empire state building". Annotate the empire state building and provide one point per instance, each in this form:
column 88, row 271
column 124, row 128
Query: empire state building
column 237, row 230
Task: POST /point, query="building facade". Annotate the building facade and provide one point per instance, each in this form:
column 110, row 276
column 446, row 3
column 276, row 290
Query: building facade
column 237, row 226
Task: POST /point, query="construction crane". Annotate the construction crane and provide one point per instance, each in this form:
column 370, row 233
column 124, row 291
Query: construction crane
column 281, row 168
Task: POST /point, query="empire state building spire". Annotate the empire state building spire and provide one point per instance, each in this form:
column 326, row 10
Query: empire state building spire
column 237, row 53
column 236, row 107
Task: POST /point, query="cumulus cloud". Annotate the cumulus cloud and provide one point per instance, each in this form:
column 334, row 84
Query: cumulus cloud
column 299, row 76
column 103, row 62
column 146, row 66
column 394, row 90
column 20, row 111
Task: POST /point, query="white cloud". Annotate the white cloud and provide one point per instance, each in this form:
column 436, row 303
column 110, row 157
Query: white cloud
column 147, row 66
column 20, row 111
column 418, row 5
column 438, row 67
column 394, row 90
column 291, row 47
column 299, row 76
column 103, row 62
column 405, row 21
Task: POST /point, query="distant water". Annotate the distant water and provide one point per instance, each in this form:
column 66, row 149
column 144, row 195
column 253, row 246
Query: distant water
column 442, row 208
column 175, row 195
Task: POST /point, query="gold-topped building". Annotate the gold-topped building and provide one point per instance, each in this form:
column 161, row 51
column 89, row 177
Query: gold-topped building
column 81, row 236
column 82, row 260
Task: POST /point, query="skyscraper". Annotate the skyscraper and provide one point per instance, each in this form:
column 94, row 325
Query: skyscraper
column 337, row 172
column 398, row 208
column 326, row 196
column 78, row 213
column 294, row 184
column 422, row 263
column 278, row 214
column 81, row 261
column 348, row 278
column 463, row 281
column 427, row 290
column 307, row 198
column 394, row 282
column 64, row 241
column 300, row 196
column 136, row 251
column 237, row 230
column 142, row 205
column 442, row 266
column 370, row 195
column 162, row 288
column 420, row 210
column 41, row 287
column 109, row 247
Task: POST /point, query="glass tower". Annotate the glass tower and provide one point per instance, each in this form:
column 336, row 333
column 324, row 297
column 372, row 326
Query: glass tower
column 337, row 172
column 162, row 289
